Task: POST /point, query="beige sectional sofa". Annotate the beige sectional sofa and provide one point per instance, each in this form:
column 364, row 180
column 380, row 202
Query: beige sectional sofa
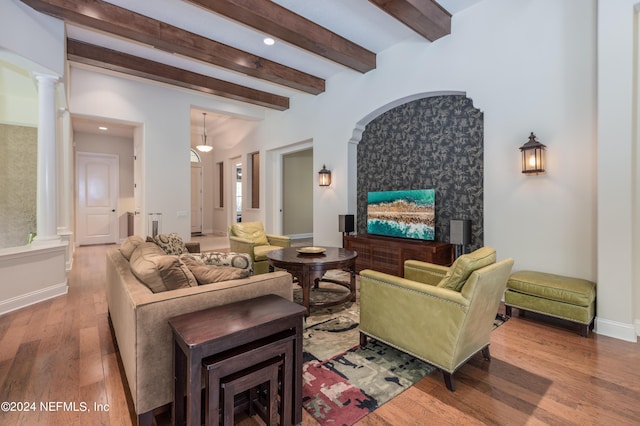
column 139, row 321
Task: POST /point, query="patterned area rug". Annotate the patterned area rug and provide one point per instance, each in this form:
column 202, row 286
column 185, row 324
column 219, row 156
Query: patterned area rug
column 342, row 382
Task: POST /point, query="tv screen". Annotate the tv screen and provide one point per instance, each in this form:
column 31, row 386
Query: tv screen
column 405, row 214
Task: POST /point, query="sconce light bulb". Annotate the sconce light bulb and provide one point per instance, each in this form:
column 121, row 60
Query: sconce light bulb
column 532, row 161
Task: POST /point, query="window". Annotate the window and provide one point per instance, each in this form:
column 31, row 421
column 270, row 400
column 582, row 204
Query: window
column 195, row 158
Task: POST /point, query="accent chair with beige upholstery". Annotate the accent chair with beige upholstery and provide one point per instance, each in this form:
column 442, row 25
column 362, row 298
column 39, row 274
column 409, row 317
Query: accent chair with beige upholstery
column 441, row 315
column 250, row 237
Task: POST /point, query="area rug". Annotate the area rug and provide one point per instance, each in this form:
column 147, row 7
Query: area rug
column 342, row 382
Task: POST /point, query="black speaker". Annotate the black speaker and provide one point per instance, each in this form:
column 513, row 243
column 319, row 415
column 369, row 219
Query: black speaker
column 460, row 231
column 346, row 223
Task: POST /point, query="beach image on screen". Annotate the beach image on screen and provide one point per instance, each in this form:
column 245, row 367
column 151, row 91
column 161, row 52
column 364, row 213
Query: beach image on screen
column 406, row 214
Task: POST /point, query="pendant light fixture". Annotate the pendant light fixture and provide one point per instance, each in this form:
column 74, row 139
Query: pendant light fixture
column 204, row 147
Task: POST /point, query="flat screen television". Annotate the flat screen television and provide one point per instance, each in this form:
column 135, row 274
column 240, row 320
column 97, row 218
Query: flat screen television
column 405, row 214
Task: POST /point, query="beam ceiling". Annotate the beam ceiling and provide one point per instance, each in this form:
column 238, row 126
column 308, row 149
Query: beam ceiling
column 426, row 17
column 122, row 22
column 279, row 22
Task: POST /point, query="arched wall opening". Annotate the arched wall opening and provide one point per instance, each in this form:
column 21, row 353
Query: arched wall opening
column 425, row 141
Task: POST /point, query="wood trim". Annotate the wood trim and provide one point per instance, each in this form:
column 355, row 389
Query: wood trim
column 255, row 180
column 279, row 22
column 426, row 17
column 113, row 60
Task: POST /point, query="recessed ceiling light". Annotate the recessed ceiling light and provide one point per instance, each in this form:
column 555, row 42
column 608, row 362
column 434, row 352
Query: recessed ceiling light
column 269, row 41
column 102, row 128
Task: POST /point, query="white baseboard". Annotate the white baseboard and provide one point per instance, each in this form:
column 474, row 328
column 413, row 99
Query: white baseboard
column 25, row 300
column 617, row 330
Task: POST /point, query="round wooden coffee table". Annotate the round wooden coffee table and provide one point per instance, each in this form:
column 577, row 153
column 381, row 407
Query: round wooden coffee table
column 309, row 268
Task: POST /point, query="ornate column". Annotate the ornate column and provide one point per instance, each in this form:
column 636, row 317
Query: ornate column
column 47, row 188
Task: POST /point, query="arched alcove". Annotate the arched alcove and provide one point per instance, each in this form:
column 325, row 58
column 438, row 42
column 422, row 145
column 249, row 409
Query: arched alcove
column 425, row 141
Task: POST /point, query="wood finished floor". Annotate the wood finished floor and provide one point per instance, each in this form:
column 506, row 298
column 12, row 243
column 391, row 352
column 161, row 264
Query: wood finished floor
column 61, row 351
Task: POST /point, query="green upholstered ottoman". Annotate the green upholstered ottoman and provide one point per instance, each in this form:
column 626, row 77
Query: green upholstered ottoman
column 572, row 299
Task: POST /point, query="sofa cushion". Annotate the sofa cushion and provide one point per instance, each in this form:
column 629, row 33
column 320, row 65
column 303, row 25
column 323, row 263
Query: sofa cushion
column 159, row 271
column 171, row 243
column 237, row 260
column 464, row 265
column 253, row 231
column 129, row 245
column 206, row 274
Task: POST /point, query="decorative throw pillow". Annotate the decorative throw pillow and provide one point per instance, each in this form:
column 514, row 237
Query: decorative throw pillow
column 171, row 243
column 237, row 260
column 158, row 271
column 129, row 245
column 253, row 231
column 465, row 265
column 206, row 274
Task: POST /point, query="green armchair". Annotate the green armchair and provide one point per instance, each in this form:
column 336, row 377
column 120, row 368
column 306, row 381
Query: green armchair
column 249, row 237
column 440, row 315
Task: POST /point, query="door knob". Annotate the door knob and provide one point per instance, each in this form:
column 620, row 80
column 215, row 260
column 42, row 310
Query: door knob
column 113, row 210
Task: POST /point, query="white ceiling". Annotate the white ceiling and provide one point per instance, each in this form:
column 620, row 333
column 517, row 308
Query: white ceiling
column 357, row 20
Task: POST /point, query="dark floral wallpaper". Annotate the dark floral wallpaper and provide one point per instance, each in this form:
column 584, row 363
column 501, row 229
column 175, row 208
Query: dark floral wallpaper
column 434, row 142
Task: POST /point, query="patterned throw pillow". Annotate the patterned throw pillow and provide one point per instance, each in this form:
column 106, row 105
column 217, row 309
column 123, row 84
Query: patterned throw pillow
column 171, row 243
column 237, row 260
column 207, row 274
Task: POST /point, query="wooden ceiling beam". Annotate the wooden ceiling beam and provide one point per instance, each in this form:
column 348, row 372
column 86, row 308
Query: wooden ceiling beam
column 113, row 60
column 426, row 17
column 281, row 23
column 122, row 22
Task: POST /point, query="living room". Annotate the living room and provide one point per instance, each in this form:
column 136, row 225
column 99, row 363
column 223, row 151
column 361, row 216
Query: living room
column 562, row 69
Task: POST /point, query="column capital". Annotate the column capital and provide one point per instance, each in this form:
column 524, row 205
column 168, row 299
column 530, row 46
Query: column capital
column 46, row 78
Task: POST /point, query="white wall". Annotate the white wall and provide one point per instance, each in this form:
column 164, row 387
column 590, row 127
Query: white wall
column 36, row 40
column 618, row 184
column 523, row 75
column 163, row 112
column 523, row 79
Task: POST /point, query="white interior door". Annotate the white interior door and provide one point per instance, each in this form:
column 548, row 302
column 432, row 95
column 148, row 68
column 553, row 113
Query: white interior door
column 196, row 198
column 97, row 215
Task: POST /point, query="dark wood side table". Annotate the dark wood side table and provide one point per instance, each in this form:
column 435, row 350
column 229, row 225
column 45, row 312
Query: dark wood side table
column 309, row 268
column 205, row 333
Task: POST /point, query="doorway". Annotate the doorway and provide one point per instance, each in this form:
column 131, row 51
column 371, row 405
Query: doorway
column 97, row 205
column 237, row 190
column 297, row 194
column 196, row 198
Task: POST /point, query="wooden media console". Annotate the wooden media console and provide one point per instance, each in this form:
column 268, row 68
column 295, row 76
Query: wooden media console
column 388, row 254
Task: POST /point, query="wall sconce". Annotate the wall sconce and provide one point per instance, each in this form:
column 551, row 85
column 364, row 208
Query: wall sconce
column 324, row 176
column 532, row 156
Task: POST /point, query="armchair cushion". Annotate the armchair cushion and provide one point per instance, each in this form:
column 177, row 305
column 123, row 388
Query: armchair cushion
column 253, row 231
column 464, row 265
column 260, row 252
